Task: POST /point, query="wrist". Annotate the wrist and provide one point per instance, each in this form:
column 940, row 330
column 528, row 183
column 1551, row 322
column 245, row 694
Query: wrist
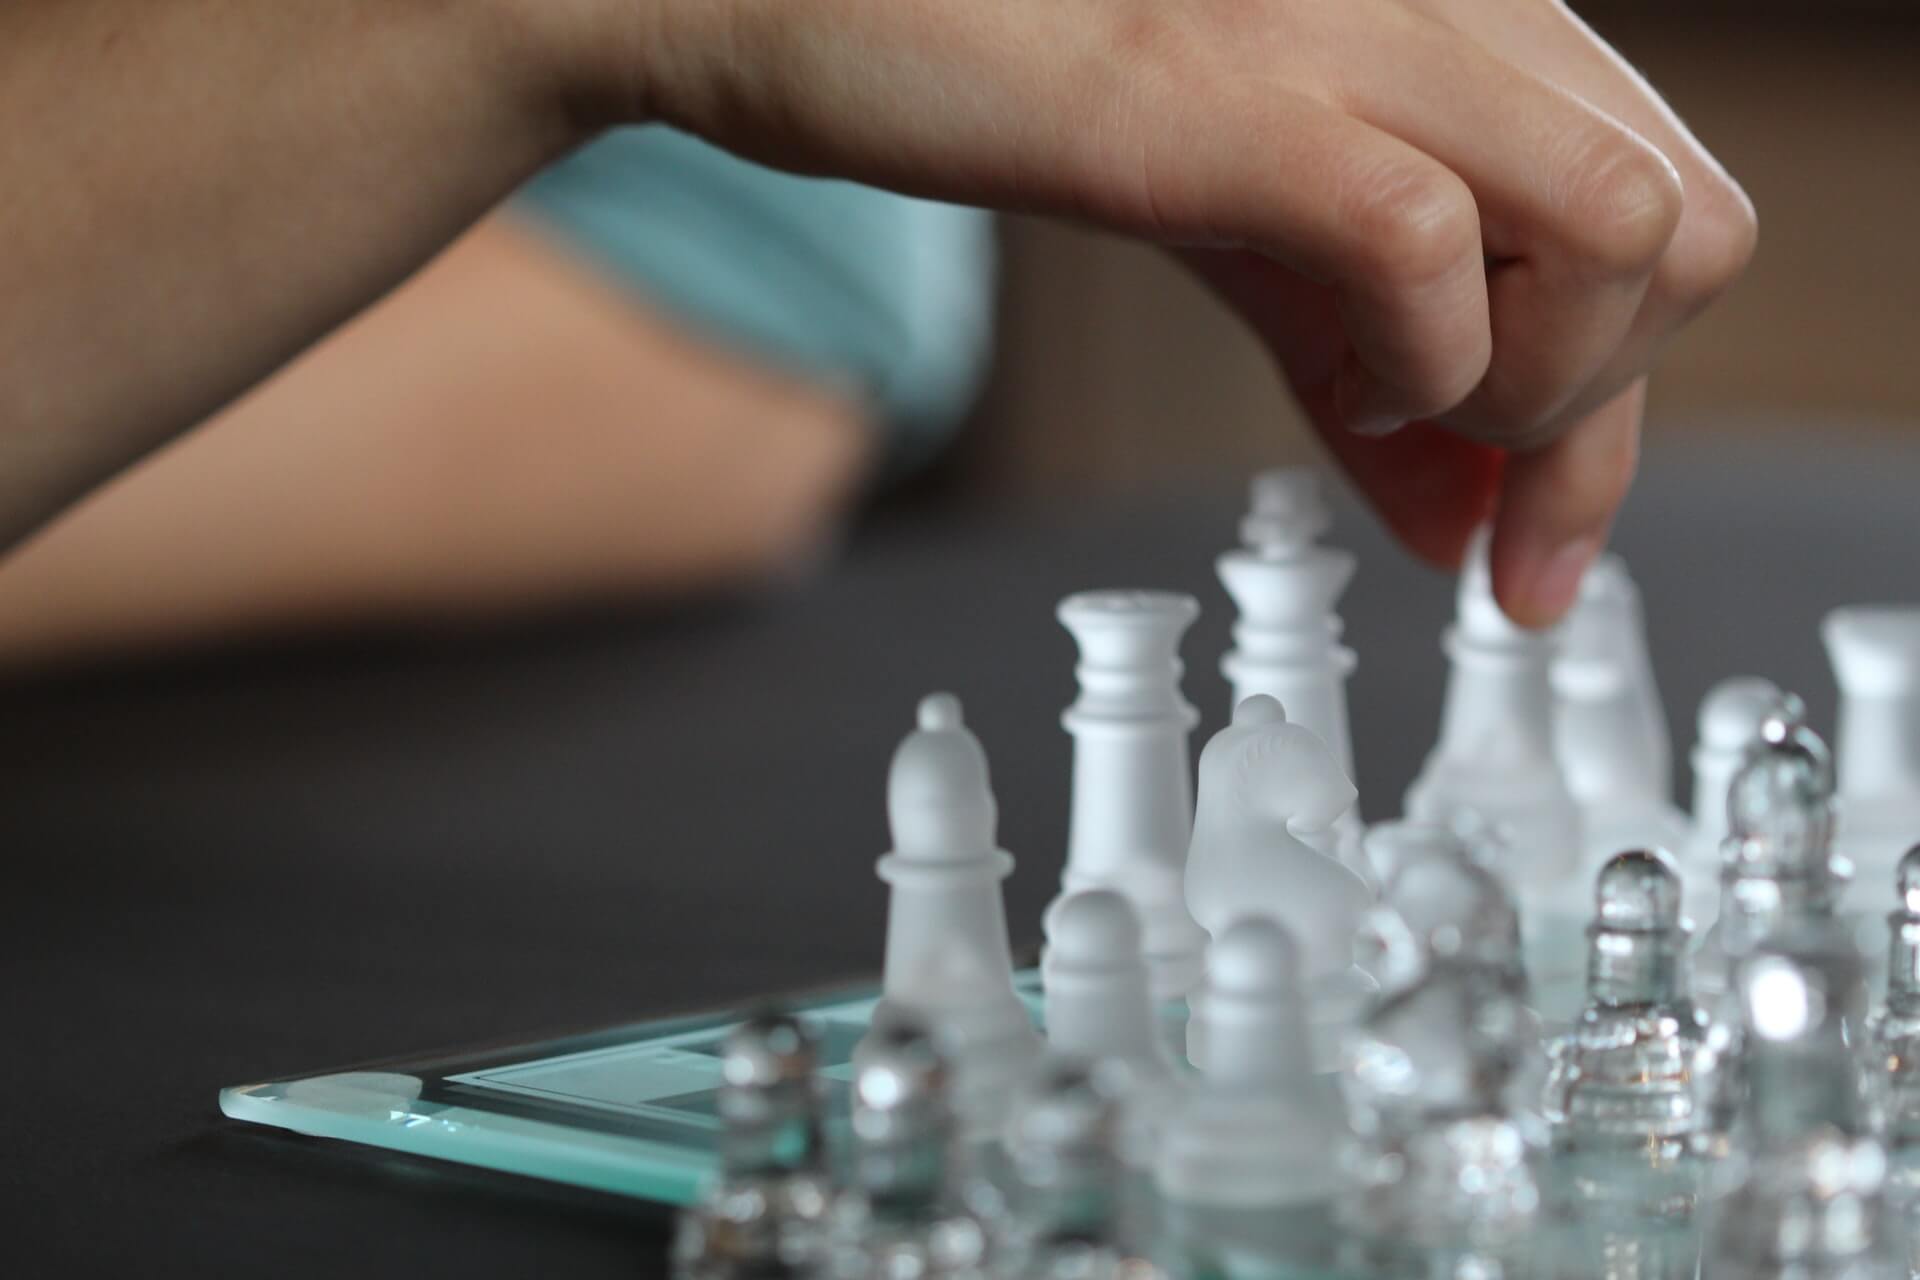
column 584, row 61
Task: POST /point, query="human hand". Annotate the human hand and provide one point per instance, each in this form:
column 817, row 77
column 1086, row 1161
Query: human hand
column 1464, row 227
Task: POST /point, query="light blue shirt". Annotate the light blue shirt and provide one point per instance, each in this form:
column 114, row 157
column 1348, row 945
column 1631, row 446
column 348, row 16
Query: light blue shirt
column 830, row 279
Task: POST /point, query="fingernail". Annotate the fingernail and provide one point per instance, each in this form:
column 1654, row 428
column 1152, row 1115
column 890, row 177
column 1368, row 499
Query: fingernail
column 1365, row 407
column 1557, row 581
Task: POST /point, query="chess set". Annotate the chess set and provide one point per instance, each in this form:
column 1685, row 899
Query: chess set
column 1545, row 1023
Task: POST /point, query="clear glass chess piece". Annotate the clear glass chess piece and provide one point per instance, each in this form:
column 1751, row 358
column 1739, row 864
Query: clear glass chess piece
column 1632, row 1074
column 764, row 1217
column 1804, row 1193
column 1074, row 1209
column 1445, row 1167
column 902, row 1212
column 1891, row 1051
column 1629, row 1090
column 1442, row 906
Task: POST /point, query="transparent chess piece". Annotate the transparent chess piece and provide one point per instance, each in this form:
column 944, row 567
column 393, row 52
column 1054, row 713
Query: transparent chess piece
column 903, row 1212
column 1892, row 1044
column 765, row 1215
column 1777, row 864
column 1804, row 1193
column 1629, row 1092
column 1441, row 907
column 1074, row 1211
column 1446, row 1163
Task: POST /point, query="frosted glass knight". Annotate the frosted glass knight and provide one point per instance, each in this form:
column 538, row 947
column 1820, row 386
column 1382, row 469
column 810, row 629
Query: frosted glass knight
column 1264, row 784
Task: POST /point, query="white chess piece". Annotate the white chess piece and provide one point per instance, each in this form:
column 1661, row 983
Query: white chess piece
column 1255, row 1131
column 1264, row 784
column 948, row 959
column 1610, row 729
column 1495, row 754
column 1875, row 652
column 1132, row 813
column 1286, row 587
column 1099, row 1004
column 1100, row 1008
column 1729, row 725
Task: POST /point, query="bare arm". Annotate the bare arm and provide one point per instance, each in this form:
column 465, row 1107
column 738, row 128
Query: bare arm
column 1464, row 228
column 193, row 190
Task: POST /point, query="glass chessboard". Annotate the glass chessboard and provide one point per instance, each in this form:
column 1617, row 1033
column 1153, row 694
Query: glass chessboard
column 627, row 1109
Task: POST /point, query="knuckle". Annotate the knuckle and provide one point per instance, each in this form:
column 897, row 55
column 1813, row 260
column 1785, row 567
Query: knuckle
column 1716, row 242
column 1415, row 225
column 1511, row 409
column 1624, row 203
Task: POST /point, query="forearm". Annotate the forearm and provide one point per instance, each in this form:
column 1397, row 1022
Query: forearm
column 193, row 190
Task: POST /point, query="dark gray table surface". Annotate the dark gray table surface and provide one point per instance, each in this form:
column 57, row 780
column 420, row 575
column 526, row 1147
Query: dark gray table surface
column 247, row 866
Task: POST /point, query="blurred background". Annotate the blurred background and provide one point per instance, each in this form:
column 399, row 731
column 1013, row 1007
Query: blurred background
column 660, row 374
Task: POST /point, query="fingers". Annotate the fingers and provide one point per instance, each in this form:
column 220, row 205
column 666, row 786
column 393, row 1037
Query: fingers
column 1556, row 505
column 1393, row 234
column 1717, row 232
column 1577, row 211
column 1430, row 486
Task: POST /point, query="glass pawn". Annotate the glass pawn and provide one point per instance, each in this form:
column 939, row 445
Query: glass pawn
column 1070, row 1212
column 1891, row 1052
column 1777, row 864
column 1445, row 1167
column 1632, row 1073
column 1629, row 1093
column 1805, row 1192
column 764, row 1217
column 902, row 1213
column 1441, row 907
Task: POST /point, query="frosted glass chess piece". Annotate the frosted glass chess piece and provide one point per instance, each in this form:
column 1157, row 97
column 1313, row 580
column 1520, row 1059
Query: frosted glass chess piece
column 1892, row 1050
column 1098, row 1002
column 1070, row 1215
column 1099, row 1006
column 1495, row 755
column 1244, row 1161
column 1132, row 809
column 948, row 958
column 765, row 1215
column 1439, row 1083
column 1729, row 725
column 1287, row 589
column 1630, row 1090
column 1264, row 784
column 1610, row 728
column 1875, row 652
column 902, row 1211
column 1804, row 1194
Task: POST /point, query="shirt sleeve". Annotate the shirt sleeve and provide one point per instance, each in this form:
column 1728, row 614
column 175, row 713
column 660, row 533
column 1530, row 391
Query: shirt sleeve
column 829, row 279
